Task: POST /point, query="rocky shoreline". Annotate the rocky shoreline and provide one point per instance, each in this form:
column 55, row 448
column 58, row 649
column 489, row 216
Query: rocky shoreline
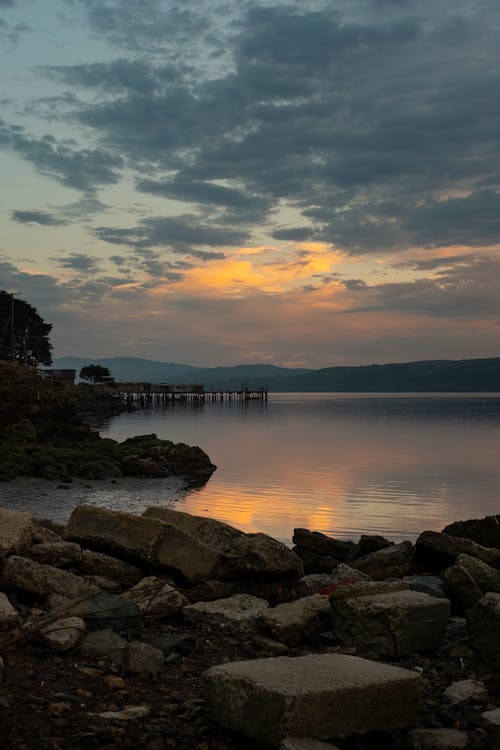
column 43, row 435
column 168, row 630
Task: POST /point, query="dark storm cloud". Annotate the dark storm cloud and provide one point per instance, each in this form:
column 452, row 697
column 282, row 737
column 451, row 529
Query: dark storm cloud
column 115, row 76
column 132, row 24
column 78, row 262
column 83, row 169
column 178, row 233
column 366, row 118
column 37, row 217
column 469, row 290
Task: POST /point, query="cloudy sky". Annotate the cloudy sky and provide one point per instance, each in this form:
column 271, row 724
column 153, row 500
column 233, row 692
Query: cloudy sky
column 303, row 182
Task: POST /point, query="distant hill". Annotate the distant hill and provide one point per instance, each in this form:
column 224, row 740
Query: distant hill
column 132, row 369
column 466, row 375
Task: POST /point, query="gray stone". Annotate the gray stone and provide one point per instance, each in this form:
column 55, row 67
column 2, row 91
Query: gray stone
column 59, row 554
column 436, row 551
column 264, row 643
column 105, row 608
column 391, row 562
column 391, row 625
column 326, row 583
column 318, row 696
column 437, row 739
column 484, row 531
column 195, row 547
column 302, row 743
column 486, row 577
column 492, row 718
column 293, row 622
column 368, row 588
column 367, row 544
column 16, row 531
column 240, row 554
column 153, row 597
column 320, row 544
column 240, row 611
column 104, row 643
column 431, row 585
column 64, row 634
column 141, row 658
column 464, row 690
column 483, row 622
column 462, row 586
column 22, row 574
column 100, row 564
column 9, row 616
column 126, row 714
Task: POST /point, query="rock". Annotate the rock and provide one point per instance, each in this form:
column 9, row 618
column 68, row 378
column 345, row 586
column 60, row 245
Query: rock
column 483, row 531
column 317, row 696
column 141, row 658
column 106, row 584
column 64, row 634
column 302, row 619
column 302, row 743
column 320, row 544
column 59, row 554
column 367, row 544
column 462, row 586
column 437, row 739
column 240, row 611
column 16, row 531
column 104, row 643
column 243, row 554
column 391, row 625
column 464, row 690
column 436, row 551
column 483, row 622
column 327, row 583
column 469, row 578
column 104, row 608
column 97, row 563
column 9, row 616
column 367, row 588
column 264, row 643
column 153, row 597
column 492, row 718
column 390, row 562
column 431, row 585
column 22, row 574
column 126, row 714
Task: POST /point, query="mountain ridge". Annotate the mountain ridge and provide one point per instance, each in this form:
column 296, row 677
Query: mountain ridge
column 441, row 375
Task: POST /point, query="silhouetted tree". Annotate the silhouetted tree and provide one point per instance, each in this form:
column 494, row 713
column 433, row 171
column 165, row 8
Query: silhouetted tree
column 96, row 374
column 24, row 335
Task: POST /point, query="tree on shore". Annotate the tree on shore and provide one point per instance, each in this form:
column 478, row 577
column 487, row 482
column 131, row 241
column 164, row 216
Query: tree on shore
column 96, row 374
column 24, row 335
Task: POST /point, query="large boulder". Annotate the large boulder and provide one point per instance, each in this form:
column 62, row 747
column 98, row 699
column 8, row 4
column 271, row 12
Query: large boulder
column 483, row 622
column 242, row 555
column 483, row 531
column 390, row 625
column 196, row 548
column 394, row 561
column 302, row 619
column 28, row 576
column 320, row 544
column 16, row 531
column 435, row 551
column 469, row 578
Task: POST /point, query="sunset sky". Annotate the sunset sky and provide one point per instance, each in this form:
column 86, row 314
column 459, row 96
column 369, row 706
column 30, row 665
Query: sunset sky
column 215, row 182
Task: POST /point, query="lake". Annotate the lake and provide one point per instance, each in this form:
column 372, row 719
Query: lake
column 342, row 464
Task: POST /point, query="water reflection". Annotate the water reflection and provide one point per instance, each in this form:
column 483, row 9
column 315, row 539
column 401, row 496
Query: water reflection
column 341, row 464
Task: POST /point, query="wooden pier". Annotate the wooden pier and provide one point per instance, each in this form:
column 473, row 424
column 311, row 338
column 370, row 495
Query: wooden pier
column 152, row 394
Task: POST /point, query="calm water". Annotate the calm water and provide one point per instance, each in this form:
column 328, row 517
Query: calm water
column 342, row 464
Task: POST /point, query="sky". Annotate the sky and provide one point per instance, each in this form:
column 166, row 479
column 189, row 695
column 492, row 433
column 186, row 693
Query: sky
column 306, row 183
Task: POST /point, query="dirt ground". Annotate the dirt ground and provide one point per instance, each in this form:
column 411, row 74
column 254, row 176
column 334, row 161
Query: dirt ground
column 53, row 702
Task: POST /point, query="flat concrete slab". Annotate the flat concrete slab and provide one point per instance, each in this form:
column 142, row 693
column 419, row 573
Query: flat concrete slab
column 318, row 696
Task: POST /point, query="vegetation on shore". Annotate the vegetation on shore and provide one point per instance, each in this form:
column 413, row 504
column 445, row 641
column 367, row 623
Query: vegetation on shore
column 43, row 435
